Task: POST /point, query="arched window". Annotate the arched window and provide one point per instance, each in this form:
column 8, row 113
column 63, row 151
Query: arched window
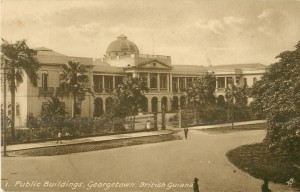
column 45, row 80
column 153, row 81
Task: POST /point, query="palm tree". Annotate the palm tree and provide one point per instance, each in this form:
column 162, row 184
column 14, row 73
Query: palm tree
column 53, row 112
column 235, row 95
column 18, row 58
column 201, row 92
column 131, row 95
column 74, row 78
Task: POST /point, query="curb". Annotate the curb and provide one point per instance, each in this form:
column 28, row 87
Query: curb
column 92, row 142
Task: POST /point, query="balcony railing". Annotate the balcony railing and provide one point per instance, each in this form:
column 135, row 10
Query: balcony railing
column 46, row 91
column 220, row 89
column 60, row 91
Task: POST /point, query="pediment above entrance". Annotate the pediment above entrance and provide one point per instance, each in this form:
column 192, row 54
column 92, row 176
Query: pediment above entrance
column 153, row 64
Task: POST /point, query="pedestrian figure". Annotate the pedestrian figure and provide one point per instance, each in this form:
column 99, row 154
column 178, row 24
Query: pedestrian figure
column 186, row 130
column 265, row 186
column 59, row 137
column 195, row 185
column 67, row 135
column 148, row 124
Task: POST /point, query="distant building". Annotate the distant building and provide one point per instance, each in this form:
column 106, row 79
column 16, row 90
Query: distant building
column 167, row 83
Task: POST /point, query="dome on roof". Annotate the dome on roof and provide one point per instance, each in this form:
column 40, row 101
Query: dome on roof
column 121, row 46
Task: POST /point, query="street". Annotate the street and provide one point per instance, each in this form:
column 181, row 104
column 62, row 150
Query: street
column 168, row 166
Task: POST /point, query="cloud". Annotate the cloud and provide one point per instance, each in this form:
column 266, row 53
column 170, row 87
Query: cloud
column 233, row 20
column 220, row 26
column 271, row 22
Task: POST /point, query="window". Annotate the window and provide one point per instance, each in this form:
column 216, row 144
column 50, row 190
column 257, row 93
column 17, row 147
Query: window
column 153, row 81
column 108, row 83
column 77, row 108
column 189, row 82
column 98, row 86
column 118, row 80
column 163, row 81
column 45, row 80
column 245, row 82
column 221, row 82
column 175, row 84
column 229, row 80
column 182, row 83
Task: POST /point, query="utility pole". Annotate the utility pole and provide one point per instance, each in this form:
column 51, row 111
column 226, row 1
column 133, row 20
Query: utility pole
column 179, row 118
column 4, row 110
column 163, row 118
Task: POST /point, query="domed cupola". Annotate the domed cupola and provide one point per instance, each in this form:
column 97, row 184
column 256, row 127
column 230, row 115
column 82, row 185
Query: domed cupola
column 121, row 46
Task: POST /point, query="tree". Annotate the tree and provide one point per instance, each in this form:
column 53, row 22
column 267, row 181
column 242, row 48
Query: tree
column 130, row 95
column 18, row 58
column 201, row 93
column 277, row 95
column 74, row 78
column 235, row 96
column 53, row 112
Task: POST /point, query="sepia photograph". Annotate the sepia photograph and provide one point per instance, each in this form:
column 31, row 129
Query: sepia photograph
column 150, row 95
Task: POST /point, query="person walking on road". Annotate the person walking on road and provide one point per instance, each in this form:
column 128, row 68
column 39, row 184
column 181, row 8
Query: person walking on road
column 195, row 185
column 59, row 137
column 186, row 130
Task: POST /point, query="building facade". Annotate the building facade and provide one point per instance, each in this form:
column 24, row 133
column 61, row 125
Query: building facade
column 167, row 82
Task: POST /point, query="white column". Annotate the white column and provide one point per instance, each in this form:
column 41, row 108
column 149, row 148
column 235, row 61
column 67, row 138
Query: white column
column 158, row 82
column 149, row 105
column 104, row 104
column 169, row 104
column 171, row 82
column 148, row 80
column 168, row 82
column 185, row 83
column 225, row 82
column 178, row 87
column 158, row 105
column 114, row 82
column 103, row 84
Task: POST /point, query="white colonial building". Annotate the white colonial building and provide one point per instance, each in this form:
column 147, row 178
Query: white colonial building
column 167, row 82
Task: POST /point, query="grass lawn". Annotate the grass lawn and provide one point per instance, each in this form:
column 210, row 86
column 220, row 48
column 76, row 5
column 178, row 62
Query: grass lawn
column 228, row 129
column 78, row 148
column 258, row 162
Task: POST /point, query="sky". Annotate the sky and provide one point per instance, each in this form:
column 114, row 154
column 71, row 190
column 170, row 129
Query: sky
column 192, row 32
